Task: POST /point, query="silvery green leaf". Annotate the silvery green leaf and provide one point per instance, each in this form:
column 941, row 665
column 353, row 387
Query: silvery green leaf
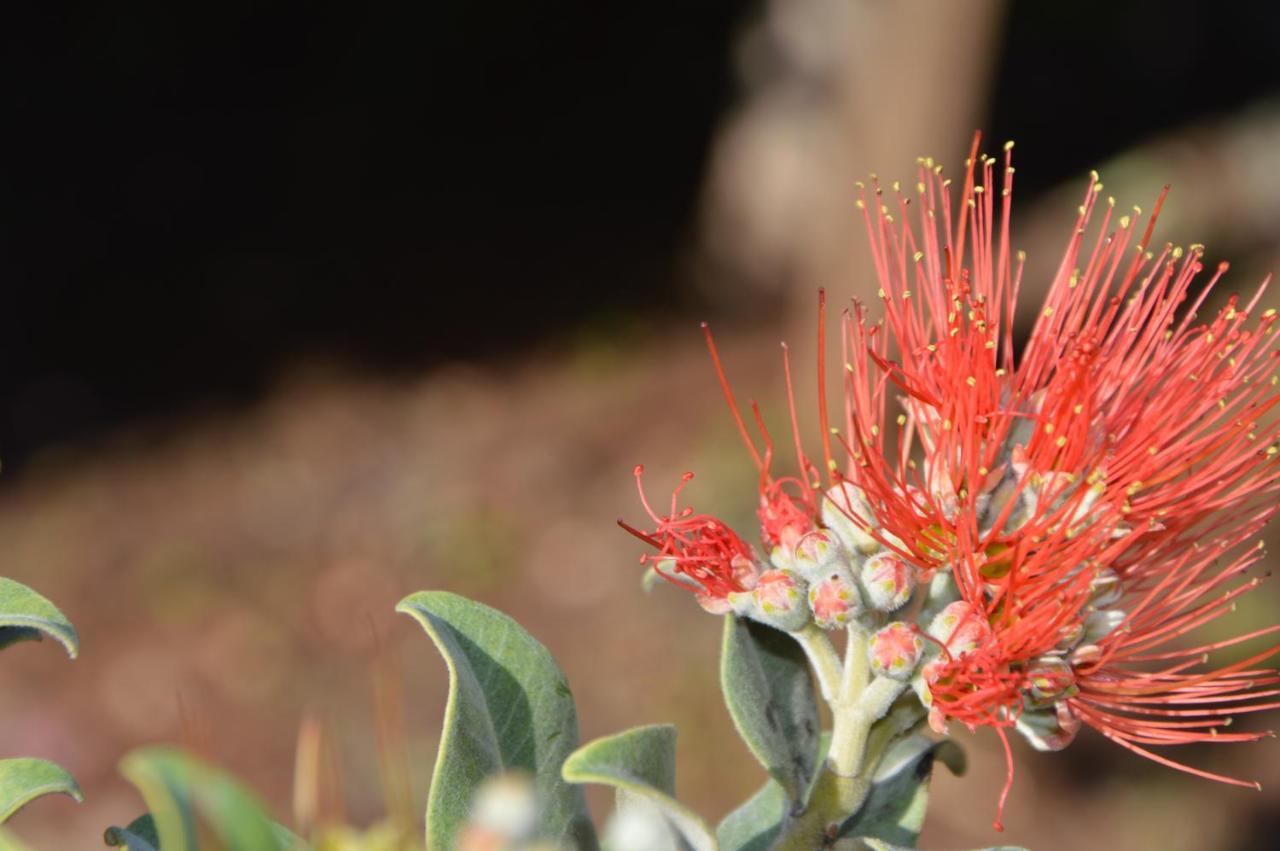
column 770, row 696
column 640, row 763
column 23, row 780
column 25, row 615
column 756, row 822
column 509, row 709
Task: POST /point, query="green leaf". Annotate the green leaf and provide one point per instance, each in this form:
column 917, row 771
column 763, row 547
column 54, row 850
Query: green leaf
column 641, row 762
column 23, row 780
column 895, row 808
column 770, row 695
column 25, row 615
column 755, row 823
column 509, row 709
column 186, row 796
column 140, row 835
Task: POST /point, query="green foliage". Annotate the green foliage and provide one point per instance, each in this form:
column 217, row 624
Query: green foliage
column 23, row 780
column 140, row 835
column 640, row 763
column 25, row 615
column 895, row 808
column 755, row 823
column 189, row 799
column 509, row 708
column 769, row 693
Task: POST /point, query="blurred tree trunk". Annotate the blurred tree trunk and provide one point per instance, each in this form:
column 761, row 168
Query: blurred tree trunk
column 833, row 90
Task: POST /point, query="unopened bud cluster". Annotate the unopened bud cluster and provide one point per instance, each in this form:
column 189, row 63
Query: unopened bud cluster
column 835, row 576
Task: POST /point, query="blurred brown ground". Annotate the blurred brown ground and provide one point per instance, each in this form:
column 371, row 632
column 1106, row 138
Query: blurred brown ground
column 237, row 567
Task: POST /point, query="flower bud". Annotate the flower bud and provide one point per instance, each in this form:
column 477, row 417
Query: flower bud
column 920, row 682
column 1050, row 729
column 895, row 651
column 777, row 600
column 1105, row 590
column 888, row 581
column 1100, row 623
column 1050, row 678
column 1085, row 654
column 846, row 513
column 943, row 492
column 1069, row 635
column 959, row 627
column 817, row 553
column 835, row 599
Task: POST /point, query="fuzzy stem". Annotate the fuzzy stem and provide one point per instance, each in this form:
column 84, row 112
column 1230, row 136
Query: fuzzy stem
column 867, row 718
column 823, row 658
column 849, row 723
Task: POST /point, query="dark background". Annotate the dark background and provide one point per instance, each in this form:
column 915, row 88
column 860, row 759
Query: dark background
column 193, row 200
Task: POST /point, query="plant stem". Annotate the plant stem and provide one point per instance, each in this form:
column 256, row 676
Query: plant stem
column 823, row 658
column 859, row 738
column 849, row 723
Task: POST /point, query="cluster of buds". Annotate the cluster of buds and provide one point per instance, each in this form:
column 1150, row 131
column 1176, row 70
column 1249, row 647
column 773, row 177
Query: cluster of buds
column 835, row 571
column 1047, row 525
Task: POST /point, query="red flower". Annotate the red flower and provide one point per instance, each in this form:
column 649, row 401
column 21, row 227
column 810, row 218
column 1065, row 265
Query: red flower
column 787, row 508
column 698, row 552
column 1081, row 493
column 1093, row 498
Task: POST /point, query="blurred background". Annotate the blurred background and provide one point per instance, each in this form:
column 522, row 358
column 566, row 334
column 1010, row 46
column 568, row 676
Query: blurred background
column 306, row 307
